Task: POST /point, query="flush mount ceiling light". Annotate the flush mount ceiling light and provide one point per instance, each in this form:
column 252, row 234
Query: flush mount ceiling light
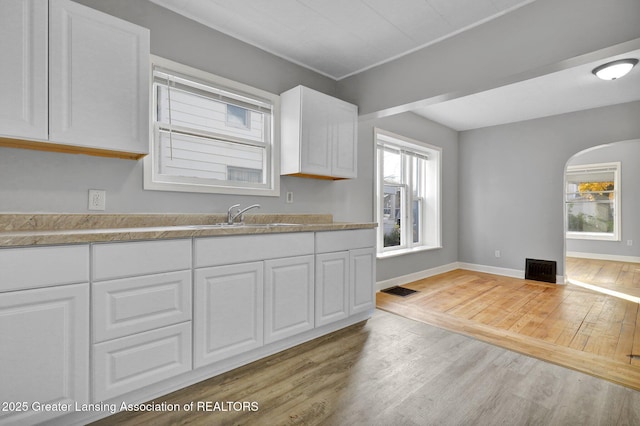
column 615, row 69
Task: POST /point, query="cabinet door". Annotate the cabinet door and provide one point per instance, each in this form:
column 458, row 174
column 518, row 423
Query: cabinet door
column 362, row 270
column 289, row 297
column 44, row 349
column 23, row 74
column 332, row 287
column 98, row 80
column 345, row 140
column 317, row 134
column 228, row 311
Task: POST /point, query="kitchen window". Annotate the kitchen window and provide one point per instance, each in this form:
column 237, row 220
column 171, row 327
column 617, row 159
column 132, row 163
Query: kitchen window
column 211, row 134
column 592, row 201
column 408, row 194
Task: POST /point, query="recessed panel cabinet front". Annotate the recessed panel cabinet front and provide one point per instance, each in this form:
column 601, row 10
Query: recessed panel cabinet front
column 289, row 297
column 44, row 351
column 130, row 363
column 98, row 80
column 332, row 287
column 228, row 311
column 23, row 74
column 363, row 266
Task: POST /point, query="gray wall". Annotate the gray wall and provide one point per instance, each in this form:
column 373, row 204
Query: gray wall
column 628, row 154
column 511, row 182
column 526, row 40
column 418, row 128
column 33, row 181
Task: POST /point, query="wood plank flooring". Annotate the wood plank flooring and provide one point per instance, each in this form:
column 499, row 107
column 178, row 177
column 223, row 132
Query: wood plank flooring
column 396, row 371
column 622, row 277
column 567, row 325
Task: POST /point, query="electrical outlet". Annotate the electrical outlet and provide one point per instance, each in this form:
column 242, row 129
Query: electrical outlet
column 97, row 199
column 629, row 242
column 497, row 253
column 289, row 197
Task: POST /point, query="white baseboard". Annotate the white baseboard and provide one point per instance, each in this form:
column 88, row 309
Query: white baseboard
column 612, row 257
column 513, row 273
column 406, row 279
column 409, row 278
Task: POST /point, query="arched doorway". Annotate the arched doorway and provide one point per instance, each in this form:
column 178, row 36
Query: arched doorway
column 602, row 224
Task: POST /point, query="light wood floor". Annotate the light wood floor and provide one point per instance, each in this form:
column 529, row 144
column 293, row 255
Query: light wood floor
column 622, row 277
column 396, row 371
column 567, row 325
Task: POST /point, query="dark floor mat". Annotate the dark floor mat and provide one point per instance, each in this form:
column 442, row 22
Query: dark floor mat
column 399, row 291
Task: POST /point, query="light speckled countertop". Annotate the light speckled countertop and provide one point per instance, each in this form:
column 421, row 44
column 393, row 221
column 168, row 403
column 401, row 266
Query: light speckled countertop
column 43, row 229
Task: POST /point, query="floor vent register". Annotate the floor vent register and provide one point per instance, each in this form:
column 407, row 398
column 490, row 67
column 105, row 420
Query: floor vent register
column 399, row 291
column 540, row 270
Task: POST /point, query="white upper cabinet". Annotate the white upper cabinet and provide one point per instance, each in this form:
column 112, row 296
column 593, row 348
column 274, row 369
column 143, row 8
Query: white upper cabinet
column 94, row 77
column 23, row 74
column 319, row 135
column 99, row 79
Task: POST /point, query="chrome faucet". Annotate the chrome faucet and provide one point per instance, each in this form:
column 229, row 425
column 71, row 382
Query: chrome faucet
column 231, row 217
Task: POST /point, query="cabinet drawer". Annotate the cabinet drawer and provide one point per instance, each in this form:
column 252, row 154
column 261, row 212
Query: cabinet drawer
column 217, row 251
column 120, row 260
column 132, row 305
column 130, row 363
column 31, row 267
column 345, row 240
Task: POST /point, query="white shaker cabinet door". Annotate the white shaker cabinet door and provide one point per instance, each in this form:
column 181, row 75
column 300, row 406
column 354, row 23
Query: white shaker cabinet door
column 345, row 140
column 98, row 80
column 23, row 74
column 44, row 350
column 228, row 311
column 289, row 297
column 363, row 277
column 317, row 132
column 332, row 287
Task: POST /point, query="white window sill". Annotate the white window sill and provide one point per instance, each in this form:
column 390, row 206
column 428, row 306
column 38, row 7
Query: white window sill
column 401, row 252
column 592, row 236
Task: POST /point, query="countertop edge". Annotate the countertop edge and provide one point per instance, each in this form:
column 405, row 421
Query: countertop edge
column 84, row 236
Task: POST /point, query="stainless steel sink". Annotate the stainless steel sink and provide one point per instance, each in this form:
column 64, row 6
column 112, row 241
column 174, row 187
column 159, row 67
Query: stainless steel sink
column 238, row 225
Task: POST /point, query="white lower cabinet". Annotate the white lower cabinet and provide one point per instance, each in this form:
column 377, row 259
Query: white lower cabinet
column 141, row 314
column 289, row 296
column 228, row 311
column 158, row 311
column 332, row 287
column 44, row 352
column 362, row 269
column 345, row 274
column 129, row 363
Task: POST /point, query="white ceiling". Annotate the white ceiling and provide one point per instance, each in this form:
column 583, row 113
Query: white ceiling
column 339, row 38
column 569, row 90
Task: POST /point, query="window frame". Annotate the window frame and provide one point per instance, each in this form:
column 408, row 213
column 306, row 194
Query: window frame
column 155, row 181
column 616, row 235
column 429, row 198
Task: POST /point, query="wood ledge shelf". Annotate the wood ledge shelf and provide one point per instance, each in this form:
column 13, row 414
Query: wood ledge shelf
column 67, row 149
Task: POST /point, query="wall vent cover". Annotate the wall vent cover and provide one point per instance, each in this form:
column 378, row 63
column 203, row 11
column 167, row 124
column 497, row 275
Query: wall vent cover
column 540, row 270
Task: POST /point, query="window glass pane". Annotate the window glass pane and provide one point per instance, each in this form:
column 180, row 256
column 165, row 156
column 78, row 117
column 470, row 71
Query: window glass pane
column 392, row 211
column 201, row 113
column 192, row 156
column 417, row 219
column 590, row 217
column 238, row 116
column 392, row 166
